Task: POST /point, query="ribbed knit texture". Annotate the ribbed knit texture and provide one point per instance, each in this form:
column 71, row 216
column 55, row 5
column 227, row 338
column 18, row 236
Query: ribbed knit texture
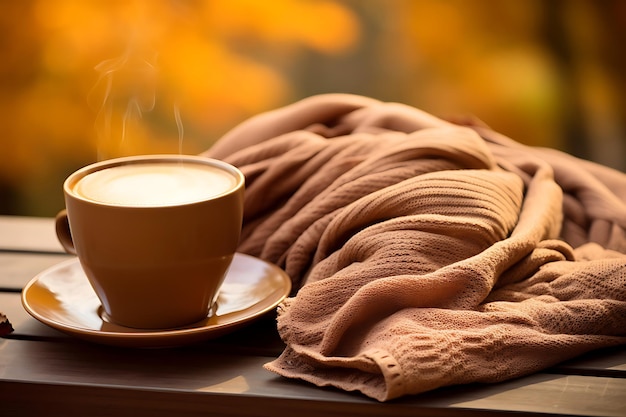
column 424, row 253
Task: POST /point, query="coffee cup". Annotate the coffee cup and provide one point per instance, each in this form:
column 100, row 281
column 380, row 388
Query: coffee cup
column 154, row 234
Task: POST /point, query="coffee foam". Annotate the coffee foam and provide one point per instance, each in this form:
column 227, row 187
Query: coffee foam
column 155, row 184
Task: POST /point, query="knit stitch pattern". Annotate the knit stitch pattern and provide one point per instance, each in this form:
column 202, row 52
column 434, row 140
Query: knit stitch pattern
column 425, row 253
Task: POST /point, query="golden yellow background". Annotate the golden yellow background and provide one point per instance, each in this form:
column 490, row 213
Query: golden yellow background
column 83, row 80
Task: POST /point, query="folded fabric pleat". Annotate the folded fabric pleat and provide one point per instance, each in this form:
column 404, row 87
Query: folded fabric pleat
column 426, row 253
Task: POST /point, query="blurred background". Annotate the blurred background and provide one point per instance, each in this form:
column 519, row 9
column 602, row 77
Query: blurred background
column 84, row 80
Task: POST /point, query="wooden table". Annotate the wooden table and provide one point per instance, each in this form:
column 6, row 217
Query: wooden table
column 44, row 372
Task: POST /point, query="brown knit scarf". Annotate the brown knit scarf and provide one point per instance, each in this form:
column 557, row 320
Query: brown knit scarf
column 425, row 253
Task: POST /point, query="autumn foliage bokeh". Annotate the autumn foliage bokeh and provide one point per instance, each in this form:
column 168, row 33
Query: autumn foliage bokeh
column 84, row 80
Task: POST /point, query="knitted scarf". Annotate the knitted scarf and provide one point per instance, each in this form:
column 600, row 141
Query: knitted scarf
column 426, row 253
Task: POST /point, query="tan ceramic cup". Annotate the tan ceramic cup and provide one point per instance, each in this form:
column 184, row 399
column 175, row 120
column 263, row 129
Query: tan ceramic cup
column 154, row 248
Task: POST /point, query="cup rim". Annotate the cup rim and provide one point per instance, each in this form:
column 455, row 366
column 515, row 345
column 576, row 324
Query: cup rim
column 80, row 173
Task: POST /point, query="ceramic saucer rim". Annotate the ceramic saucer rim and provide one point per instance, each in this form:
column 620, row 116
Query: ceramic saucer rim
column 159, row 337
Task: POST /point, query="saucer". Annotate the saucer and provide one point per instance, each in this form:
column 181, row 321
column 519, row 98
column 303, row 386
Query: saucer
column 62, row 298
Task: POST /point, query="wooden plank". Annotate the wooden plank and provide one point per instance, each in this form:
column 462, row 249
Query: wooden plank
column 553, row 394
column 89, row 378
column 604, row 362
column 35, row 234
column 18, row 268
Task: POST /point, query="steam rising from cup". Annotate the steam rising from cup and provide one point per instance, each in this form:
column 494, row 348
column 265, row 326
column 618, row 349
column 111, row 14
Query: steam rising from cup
column 125, row 91
column 179, row 125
